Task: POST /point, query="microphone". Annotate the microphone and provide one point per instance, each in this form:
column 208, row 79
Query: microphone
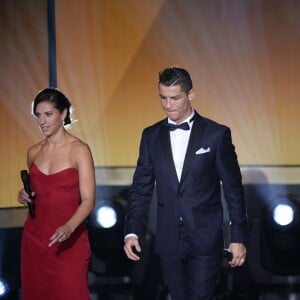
column 227, row 254
column 26, row 183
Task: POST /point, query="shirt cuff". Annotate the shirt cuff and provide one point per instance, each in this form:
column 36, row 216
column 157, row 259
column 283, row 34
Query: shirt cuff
column 130, row 235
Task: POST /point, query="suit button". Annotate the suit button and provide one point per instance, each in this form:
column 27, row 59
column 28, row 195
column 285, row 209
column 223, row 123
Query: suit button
column 180, row 195
column 180, row 221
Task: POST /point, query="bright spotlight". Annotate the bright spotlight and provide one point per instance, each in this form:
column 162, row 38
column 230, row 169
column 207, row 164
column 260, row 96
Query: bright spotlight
column 106, row 226
column 283, row 214
column 280, row 237
column 4, row 288
column 106, row 216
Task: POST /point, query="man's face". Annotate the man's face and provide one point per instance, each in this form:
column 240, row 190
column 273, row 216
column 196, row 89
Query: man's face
column 175, row 102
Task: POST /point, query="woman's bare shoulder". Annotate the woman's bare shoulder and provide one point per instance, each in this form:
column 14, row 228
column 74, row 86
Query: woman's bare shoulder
column 79, row 147
column 76, row 142
column 33, row 150
column 81, row 153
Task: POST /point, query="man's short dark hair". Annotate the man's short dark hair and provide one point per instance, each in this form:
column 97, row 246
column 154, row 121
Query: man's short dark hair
column 176, row 76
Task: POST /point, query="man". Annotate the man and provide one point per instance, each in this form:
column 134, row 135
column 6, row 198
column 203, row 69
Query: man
column 188, row 165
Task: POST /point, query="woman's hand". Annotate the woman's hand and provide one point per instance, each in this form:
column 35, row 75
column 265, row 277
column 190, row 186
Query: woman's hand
column 24, row 198
column 61, row 234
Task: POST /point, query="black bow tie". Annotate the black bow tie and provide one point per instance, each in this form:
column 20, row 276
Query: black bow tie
column 183, row 126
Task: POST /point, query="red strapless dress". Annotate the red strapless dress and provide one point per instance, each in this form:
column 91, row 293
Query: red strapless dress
column 58, row 272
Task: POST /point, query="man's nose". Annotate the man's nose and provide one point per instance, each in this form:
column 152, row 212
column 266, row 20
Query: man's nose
column 168, row 103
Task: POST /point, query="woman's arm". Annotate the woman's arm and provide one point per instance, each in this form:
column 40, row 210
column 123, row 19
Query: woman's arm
column 87, row 186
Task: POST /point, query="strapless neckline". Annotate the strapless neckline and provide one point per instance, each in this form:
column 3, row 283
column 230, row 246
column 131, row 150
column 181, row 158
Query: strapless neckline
column 55, row 173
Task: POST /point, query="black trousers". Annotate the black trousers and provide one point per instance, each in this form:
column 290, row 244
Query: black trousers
column 188, row 274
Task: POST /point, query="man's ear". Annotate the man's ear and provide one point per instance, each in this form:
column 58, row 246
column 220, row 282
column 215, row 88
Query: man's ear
column 191, row 94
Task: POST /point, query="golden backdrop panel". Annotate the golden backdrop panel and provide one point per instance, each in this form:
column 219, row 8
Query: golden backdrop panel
column 24, row 71
column 243, row 56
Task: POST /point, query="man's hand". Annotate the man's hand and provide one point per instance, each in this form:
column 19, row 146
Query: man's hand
column 132, row 247
column 238, row 251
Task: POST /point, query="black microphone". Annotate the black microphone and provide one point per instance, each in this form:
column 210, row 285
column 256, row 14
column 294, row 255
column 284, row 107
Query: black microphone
column 26, row 182
column 227, row 254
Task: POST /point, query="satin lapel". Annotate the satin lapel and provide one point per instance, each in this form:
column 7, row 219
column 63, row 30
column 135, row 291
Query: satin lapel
column 164, row 138
column 194, row 142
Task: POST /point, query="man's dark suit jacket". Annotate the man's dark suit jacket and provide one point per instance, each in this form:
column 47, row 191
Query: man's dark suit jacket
column 210, row 160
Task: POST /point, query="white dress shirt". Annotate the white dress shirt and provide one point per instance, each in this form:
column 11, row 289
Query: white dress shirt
column 179, row 142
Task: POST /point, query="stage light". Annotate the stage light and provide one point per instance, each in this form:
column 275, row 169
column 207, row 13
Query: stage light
column 4, row 287
column 105, row 226
column 280, row 235
column 106, row 216
column 106, row 234
column 283, row 214
column 111, row 273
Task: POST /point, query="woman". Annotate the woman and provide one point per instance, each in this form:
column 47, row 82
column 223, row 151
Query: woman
column 55, row 248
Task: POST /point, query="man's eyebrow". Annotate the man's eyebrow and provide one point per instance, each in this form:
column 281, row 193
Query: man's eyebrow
column 162, row 96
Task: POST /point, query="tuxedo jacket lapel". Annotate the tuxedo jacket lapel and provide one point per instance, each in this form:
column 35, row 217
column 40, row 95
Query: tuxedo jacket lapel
column 194, row 142
column 164, row 138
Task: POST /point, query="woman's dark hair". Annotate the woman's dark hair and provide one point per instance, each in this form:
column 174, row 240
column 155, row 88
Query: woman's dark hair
column 176, row 76
column 57, row 98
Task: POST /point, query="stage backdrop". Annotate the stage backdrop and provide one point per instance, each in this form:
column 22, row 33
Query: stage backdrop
column 243, row 56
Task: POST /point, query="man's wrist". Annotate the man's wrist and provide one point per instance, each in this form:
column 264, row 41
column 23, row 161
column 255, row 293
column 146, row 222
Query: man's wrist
column 130, row 235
